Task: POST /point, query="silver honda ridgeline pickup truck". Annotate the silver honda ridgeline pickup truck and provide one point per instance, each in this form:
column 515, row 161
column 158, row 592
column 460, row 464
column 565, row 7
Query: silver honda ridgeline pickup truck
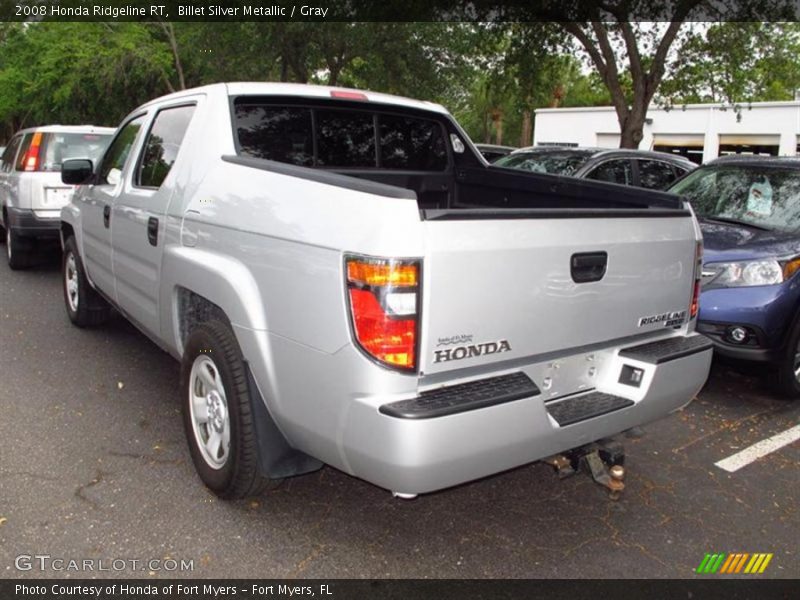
column 346, row 281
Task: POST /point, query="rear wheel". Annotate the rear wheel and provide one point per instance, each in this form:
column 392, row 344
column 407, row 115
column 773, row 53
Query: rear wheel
column 786, row 379
column 18, row 249
column 217, row 416
column 85, row 307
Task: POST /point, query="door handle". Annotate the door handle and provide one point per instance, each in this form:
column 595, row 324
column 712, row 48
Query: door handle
column 106, row 215
column 152, row 231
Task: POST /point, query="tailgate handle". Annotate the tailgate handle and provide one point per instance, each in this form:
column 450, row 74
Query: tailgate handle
column 588, row 266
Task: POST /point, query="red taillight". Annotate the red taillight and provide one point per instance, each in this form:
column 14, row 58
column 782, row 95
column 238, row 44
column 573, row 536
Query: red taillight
column 31, row 160
column 384, row 297
column 346, row 95
column 698, row 274
column 695, row 300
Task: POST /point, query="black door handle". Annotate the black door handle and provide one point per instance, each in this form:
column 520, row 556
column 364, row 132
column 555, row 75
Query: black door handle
column 152, row 231
column 588, row 266
column 106, row 215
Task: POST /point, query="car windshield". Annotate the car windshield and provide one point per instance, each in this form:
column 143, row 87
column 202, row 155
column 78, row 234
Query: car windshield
column 558, row 163
column 761, row 197
column 64, row 146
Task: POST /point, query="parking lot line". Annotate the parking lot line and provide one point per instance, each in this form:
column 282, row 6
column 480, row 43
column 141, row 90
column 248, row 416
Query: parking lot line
column 752, row 453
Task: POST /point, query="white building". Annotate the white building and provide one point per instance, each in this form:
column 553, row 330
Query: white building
column 700, row 131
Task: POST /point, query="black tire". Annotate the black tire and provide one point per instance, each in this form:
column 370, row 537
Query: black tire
column 86, row 308
column 239, row 475
column 783, row 379
column 18, row 250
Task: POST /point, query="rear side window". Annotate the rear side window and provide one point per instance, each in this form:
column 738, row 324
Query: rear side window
column 655, row 175
column 338, row 137
column 613, row 171
column 162, row 145
column 10, row 152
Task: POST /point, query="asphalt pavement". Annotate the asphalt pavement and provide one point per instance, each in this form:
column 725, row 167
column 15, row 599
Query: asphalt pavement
column 94, row 466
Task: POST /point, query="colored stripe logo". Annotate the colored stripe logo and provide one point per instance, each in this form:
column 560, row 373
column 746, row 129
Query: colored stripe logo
column 742, row 562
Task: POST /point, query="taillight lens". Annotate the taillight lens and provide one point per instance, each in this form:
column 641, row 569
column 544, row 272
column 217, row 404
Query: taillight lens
column 698, row 274
column 31, row 160
column 384, row 308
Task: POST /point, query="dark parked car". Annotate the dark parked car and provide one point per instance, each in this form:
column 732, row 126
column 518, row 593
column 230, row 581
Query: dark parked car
column 492, row 152
column 654, row 170
column 749, row 212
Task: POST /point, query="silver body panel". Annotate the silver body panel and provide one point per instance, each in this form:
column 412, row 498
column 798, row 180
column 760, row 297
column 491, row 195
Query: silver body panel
column 268, row 249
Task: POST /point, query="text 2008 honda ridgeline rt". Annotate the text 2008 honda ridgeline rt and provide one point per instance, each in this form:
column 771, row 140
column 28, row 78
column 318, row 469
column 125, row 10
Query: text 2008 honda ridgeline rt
column 346, row 281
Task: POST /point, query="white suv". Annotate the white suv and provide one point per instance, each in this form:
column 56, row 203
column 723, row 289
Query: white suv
column 31, row 191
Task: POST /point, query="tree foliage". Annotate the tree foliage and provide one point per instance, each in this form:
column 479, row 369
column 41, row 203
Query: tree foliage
column 491, row 75
column 734, row 63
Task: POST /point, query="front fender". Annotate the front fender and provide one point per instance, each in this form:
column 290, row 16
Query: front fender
column 70, row 215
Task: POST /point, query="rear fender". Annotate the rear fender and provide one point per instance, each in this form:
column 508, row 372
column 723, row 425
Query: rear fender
column 219, row 279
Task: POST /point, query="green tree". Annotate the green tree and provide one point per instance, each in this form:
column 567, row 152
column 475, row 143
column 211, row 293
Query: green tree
column 734, row 63
column 79, row 72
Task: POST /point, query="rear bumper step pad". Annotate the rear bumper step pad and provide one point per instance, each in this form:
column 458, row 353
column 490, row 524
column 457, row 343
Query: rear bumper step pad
column 663, row 351
column 463, row 397
column 579, row 408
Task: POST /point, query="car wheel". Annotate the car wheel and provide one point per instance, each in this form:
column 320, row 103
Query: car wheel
column 786, row 379
column 85, row 307
column 216, row 413
column 18, row 250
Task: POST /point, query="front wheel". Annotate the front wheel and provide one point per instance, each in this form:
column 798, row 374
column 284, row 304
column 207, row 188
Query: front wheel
column 217, row 417
column 786, row 379
column 85, row 307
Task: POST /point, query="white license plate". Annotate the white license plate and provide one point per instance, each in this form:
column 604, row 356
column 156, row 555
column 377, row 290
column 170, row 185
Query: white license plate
column 57, row 197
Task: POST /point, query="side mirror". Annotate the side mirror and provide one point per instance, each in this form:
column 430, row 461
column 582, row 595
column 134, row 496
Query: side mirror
column 76, row 171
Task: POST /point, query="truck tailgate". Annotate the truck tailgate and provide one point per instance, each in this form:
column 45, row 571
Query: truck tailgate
column 502, row 289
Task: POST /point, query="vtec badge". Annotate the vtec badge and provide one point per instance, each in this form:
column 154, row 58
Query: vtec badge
column 670, row 319
column 471, row 351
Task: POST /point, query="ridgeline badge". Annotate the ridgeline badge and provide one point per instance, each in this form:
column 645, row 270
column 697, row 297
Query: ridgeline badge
column 471, row 351
column 669, row 319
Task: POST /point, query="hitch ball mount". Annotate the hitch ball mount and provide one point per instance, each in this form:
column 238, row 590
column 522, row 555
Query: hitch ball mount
column 604, row 461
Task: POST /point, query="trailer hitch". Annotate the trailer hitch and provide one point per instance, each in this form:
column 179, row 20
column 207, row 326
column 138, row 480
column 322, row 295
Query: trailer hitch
column 603, row 461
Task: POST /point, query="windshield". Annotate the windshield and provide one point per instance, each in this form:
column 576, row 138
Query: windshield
column 59, row 147
column 764, row 197
column 558, row 163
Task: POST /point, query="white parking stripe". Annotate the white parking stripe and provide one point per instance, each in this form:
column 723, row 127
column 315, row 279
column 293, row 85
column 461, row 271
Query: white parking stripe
column 752, row 453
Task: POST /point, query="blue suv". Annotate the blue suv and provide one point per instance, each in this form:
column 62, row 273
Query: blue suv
column 749, row 211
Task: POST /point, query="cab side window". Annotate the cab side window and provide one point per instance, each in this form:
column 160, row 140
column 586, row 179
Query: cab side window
column 118, row 152
column 162, row 145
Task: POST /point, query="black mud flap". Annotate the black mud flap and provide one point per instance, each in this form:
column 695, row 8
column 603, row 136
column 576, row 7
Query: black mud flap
column 276, row 457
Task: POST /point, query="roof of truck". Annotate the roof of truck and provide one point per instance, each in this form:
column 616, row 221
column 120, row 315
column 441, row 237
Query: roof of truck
column 302, row 90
